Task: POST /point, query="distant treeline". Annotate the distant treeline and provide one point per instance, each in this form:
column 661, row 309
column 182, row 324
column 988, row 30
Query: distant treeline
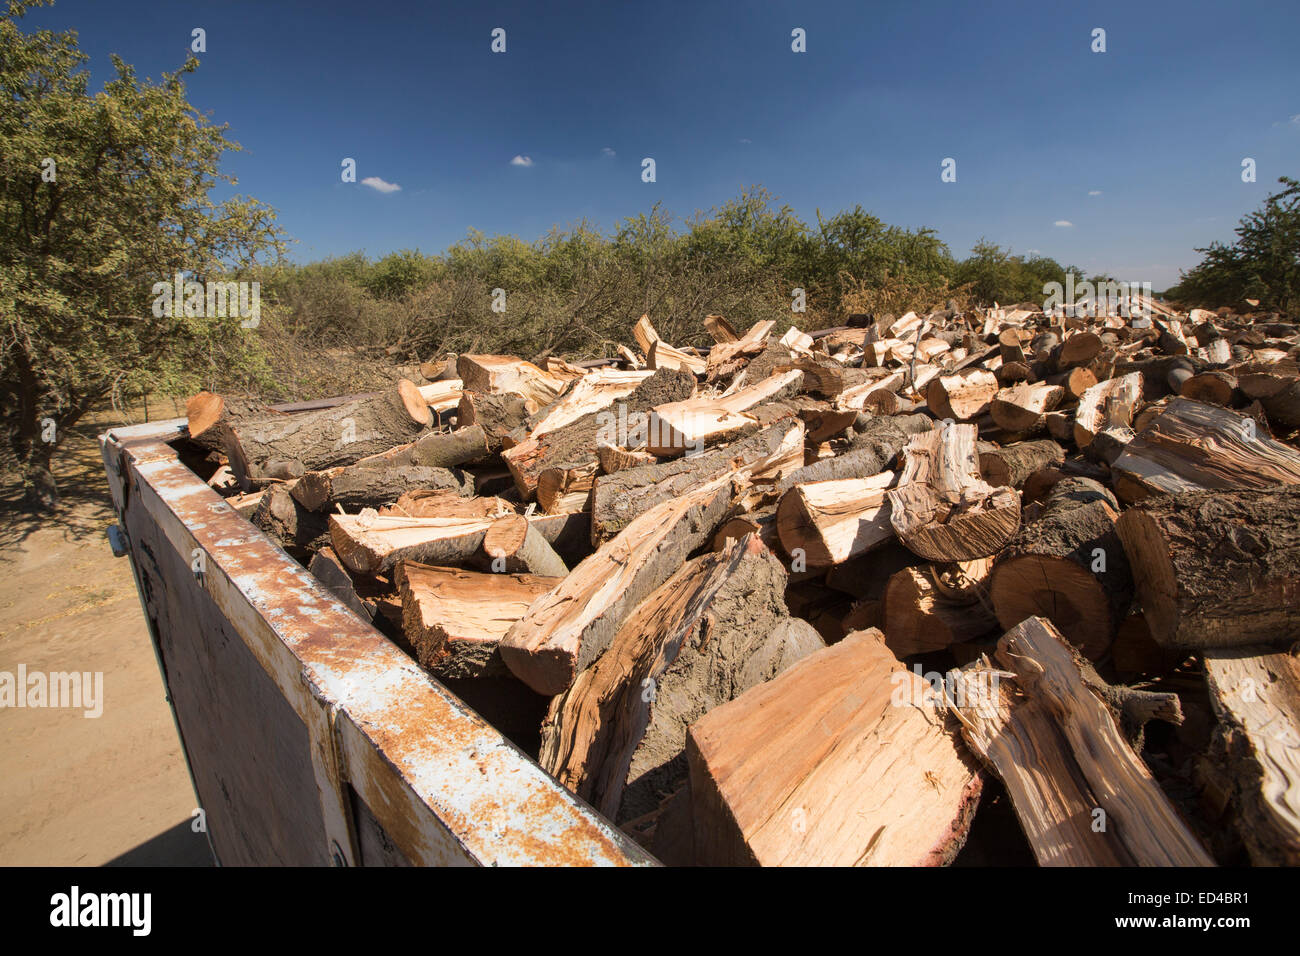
column 578, row 291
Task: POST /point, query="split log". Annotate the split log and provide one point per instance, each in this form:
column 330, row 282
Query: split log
column 446, row 503
column 494, row 374
column 369, row 543
column 720, row 329
column 567, row 629
column 761, row 523
column 497, row 415
column 1255, row 692
column 561, row 490
column 442, row 396
column 963, row 396
column 766, row 456
column 663, row 355
column 828, row 522
column 645, row 334
column 326, row 568
column 942, row 509
column 919, row 617
column 290, row 445
column 455, row 619
column 623, row 424
column 1111, row 402
column 816, row 768
column 1217, row 569
column 717, row 627
column 728, row 358
column 595, row 391
column 1020, row 408
column 689, row 425
column 1081, row 793
column 1194, row 446
column 1009, row 467
column 872, row 450
column 363, row 486
column 515, row 545
column 612, row 458
column 1069, row 567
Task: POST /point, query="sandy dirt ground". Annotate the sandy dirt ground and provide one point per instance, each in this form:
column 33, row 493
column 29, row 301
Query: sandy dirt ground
column 78, row 790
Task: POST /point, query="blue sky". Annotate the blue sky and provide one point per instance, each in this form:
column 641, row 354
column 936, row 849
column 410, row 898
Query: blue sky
column 1138, row 149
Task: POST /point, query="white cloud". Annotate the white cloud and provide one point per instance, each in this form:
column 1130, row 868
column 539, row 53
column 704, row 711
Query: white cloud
column 1064, row 224
column 1293, row 121
column 1094, row 192
column 379, row 185
column 522, row 161
column 606, row 151
column 746, row 141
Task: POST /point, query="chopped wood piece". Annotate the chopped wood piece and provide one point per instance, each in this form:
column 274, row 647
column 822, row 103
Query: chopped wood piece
column 287, row 523
column 1194, row 446
column 830, row 764
column 727, row 358
column 1009, row 467
column 1078, row 349
column 442, row 396
column 515, row 545
column 763, row 458
column 686, row 427
column 1020, row 408
column 593, row 392
column 567, row 629
column 561, row 490
column 497, row 415
column 919, row 617
column 1111, row 402
column 1067, row 566
column 1256, row 695
column 663, row 355
column 612, row 458
column 645, row 334
column 286, row 446
column 455, row 619
column 720, row 328
column 1217, row 388
column 208, row 416
column 436, row 450
column 1083, row 797
column 962, row 396
column 369, row 543
column 1217, row 569
column 716, row 628
column 828, row 522
column 363, row 486
column 872, row 450
column 761, row 523
column 942, row 509
column 574, row 445
column 446, row 503
column 505, row 373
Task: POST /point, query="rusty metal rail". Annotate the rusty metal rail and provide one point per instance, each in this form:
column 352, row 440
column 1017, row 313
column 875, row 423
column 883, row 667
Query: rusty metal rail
column 310, row 737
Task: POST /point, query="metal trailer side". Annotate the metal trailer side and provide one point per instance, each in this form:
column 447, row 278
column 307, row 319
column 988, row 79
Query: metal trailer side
column 311, row 739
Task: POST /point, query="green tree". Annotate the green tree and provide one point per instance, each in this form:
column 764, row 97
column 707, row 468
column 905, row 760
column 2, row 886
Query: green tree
column 1263, row 264
column 102, row 195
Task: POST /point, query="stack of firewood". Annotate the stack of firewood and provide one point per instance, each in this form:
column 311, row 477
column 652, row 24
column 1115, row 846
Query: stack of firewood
column 817, row 598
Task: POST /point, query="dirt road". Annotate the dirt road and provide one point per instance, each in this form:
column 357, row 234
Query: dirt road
column 74, row 789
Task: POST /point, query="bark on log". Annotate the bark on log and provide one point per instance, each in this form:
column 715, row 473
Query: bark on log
column 716, row 628
column 1217, row 569
column 1010, row 466
column 438, row 450
column 363, row 486
column 497, row 415
column 289, row 524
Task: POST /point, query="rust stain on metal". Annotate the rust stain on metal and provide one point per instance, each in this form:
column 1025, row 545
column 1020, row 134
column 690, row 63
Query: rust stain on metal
column 494, row 801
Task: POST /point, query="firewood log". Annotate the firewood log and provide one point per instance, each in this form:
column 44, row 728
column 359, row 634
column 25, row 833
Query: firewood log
column 1020, row 408
column 436, row 450
column 941, row 508
column 1068, row 567
column 365, row 486
column 497, row 415
column 567, row 629
column 819, row 767
column 455, row 619
column 514, row 545
column 1217, row 569
column 919, row 617
column 828, row 522
column 962, row 396
column 489, row 374
column 1111, row 402
column 1010, row 466
column 1081, row 793
column 716, row 628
